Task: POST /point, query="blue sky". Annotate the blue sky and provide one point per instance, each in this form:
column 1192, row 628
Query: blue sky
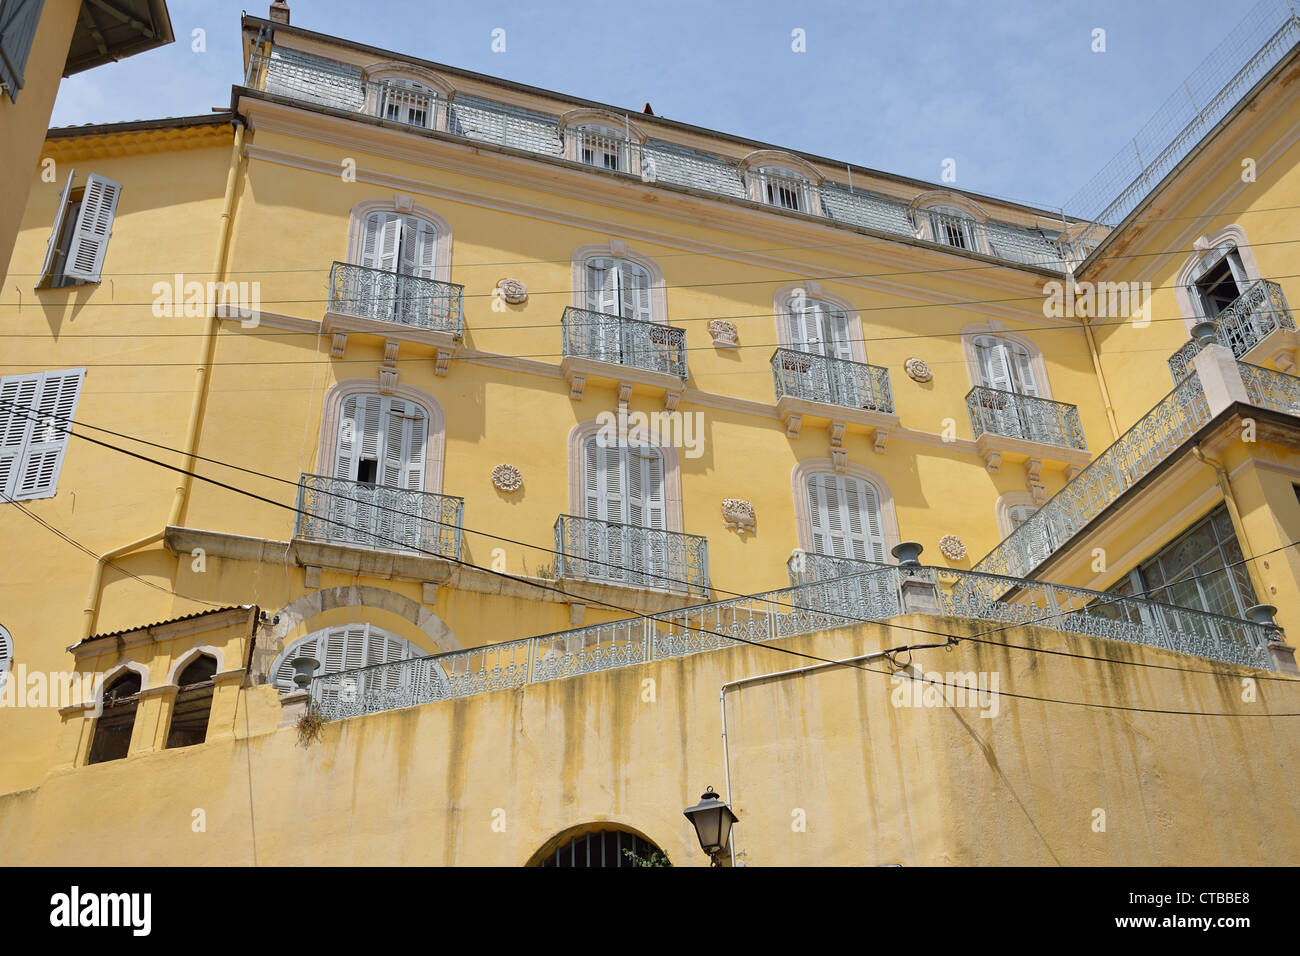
column 1010, row 89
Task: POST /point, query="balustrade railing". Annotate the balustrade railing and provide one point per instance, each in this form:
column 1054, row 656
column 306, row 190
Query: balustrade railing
column 1269, row 388
column 381, row 517
column 1128, row 460
column 827, row 593
column 340, row 86
column 395, row 297
column 631, row 342
column 1258, row 311
column 1024, row 416
column 626, row 554
column 818, row 378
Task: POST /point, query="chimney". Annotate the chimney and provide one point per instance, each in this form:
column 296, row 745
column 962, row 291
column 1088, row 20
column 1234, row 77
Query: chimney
column 647, row 111
column 279, row 12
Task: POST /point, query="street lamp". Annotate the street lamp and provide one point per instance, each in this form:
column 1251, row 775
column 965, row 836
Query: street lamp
column 712, row 819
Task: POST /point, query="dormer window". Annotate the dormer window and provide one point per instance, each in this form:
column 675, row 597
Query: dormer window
column 782, row 187
column 953, row 227
column 404, row 101
column 602, row 147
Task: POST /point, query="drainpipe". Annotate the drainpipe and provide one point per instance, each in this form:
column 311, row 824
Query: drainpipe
column 1101, row 380
column 1234, row 513
column 202, row 376
column 722, row 701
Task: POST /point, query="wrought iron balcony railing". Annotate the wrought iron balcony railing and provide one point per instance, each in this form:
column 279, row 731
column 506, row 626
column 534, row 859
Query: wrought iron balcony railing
column 394, row 297
column 380, row 517
column 1129, row 459
column 832, row 594
column 1024, row 416
column 1269, row 388
column 631, row 342
column 817, row 378
column 1261, row 309
column 340, row 86
column 626, row 554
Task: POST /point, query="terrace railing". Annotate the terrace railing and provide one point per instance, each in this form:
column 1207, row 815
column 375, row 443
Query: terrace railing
column 398, row 298
column 626, row 554
column 832, row 594
column 1258, row 311
column 631, row 342
column 380, row 517
column 336, row 85
column 1128, row 460
column 1024, row 416
column 818, row 378
column 1269, row 388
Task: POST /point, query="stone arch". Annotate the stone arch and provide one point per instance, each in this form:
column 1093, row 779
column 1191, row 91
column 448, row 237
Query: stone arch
column 191, row 655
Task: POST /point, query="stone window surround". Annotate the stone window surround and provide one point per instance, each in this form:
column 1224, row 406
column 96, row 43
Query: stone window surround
column 622, row 125
column 1007, row 501
column 814, row 290
column 809, row 467
column 577, row 479
column 761, row 159
column 1189, row 310
column 396, row 70
column 996, row 328
column 617, row 249
column 332, row 410
column 406, row 206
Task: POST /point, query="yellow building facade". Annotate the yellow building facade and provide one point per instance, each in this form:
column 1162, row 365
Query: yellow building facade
column 531, row 424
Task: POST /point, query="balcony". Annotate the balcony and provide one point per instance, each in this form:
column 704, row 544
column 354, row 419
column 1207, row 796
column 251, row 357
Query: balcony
column 339, row 86
column 847, row 396
column 631, row 556
column 828, row 593
column 1009, row 427
column 627, row 352
column 1254, row 316
column 378, row 517
column 395, row 307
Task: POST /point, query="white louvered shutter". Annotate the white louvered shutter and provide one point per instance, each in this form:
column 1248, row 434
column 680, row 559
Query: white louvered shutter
column 1023, row 365
column 995, row 363
column 645, row 488
column 635, row 291
column 805, row 329
column 17, row 411
column 602, row 286
column 52, row 247
column 845, row 518
column 93, row 229
column 348, row 444
column 284, row 673
column 1019, row 514
column 837, row 341
column 47, row 441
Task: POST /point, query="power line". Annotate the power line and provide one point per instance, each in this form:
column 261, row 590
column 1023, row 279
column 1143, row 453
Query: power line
column 629, row 611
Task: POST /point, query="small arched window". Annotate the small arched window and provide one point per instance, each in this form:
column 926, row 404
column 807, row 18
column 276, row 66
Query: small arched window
column 779, row 186
column 113, row 728
column 1218, row 280
column 605, row 848
column 193, row 705
column 601, row 146
column 618, row 287
column 405, row 101
column 953, row 227
column 1006, row 365
column 343, row 648
column 844, row 518
column 817, row 326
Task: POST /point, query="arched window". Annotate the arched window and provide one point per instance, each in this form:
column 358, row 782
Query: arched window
column 344, row 648
column 953, row 227
column 779, row 186
column 193, row 703
column 1018, row 515
column 112, row 736
column 394, row 242
column 605, row 848
column 1217, row 280
column 844, row 518
column 601, row 146
column 623, row 491
column 392, row 245
column 818, row 326
column 405, row 101
column 1006, row 365
column 618, row 287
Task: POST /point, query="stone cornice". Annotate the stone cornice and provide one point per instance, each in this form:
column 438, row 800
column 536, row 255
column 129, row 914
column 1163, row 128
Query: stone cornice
column 108, row 144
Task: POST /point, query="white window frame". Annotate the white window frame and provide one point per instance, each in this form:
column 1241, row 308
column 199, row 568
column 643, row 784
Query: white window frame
column 44, row 431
